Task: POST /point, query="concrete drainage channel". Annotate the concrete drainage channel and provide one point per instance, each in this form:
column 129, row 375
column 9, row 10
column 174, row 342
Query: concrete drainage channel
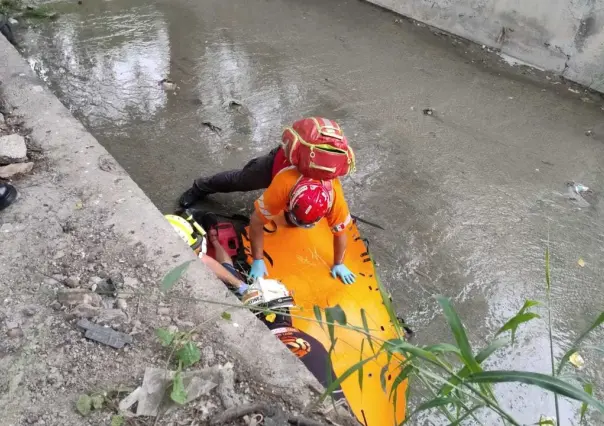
column 81, row 223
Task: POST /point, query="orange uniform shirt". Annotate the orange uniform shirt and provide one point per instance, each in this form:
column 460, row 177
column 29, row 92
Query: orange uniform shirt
column 276, row 198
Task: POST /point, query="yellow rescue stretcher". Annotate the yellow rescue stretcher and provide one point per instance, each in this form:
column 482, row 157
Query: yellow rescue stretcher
column 301, row 259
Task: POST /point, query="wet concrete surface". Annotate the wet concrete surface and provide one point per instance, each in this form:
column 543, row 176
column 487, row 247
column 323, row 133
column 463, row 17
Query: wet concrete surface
column 470, row 197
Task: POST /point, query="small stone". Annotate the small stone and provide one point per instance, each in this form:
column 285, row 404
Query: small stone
column 59, row 278
column 121, row 304
column 6, row 227
column 12, row 149
column 77, row 296
column 117, row 279
column 85, row 310
column 13, row 21
column 163, row 312
column 112, row 316
column 12, row 324
column 184, row 324
column 172, row 329
column 15, row 332
column 56, row 305
column 58, row 255
column 30, row 311
column 131, row 282
column 72, row 282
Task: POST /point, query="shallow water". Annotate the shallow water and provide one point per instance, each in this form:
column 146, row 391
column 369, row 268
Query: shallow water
column 470, row 197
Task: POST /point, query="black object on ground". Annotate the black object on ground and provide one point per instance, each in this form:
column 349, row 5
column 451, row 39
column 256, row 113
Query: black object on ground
column 360, row 219
column 8, row 195
column 7, row 30
column 104, row 335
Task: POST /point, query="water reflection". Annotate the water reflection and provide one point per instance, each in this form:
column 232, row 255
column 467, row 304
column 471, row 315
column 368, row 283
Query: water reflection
column 107, row 67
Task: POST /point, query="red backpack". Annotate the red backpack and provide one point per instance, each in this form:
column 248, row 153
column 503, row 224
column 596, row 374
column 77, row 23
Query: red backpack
column 318, row 148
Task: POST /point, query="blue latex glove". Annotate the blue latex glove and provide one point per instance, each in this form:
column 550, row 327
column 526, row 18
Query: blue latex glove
column 258, row 270
column 242, row 288
column 343, row 273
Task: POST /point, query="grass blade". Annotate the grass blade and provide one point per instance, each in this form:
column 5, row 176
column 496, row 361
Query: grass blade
column 588, row 388
column 383, row 377
column 548, row 286
column 351, row 370
column 361, row 367
column 459, row 333
column 330, row 326
column 337, row 314
column 443, row 348
column 366, row 328
column 480, row 358
column 466, row 415
column 401, row 346
column 174, row 275
column 433, row 403
column 407, row 369
column 577, row 342
column 515, row 321
column 544, row 381
column 548, row 281
column 318, row 315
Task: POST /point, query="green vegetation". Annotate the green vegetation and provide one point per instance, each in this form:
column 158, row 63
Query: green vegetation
column 447, row 378
column 16, row 9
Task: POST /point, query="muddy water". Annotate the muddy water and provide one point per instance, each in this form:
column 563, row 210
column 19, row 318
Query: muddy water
column 470, row 197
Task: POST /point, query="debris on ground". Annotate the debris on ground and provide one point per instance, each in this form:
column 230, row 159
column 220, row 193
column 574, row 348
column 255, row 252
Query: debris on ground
column 576, row 192
column 589, row 132
column 579, row 188
column 105, row 335
column 577, row 360
column 546, row 421
column 212, row 127
column 581, row 262
column 235, row 104
column 15, row 169
column 428, row 111
column 156, row 381
column 12, row 149
column 167, row 84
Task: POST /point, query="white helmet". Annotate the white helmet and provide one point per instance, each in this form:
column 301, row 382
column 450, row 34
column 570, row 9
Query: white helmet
column 269, row 294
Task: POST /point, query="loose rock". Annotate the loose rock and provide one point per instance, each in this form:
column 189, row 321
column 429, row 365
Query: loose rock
column 163, row 312
column 76, row 296
column 15, row 169
column 15, row 332
column 30, row 311
column 112, row 316
column 12, row 149
column 85, row 310
column 72, row 282
column 121, row 304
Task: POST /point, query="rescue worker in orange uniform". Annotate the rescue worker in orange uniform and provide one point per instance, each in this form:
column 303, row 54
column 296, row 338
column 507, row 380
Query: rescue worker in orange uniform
column 304, row 201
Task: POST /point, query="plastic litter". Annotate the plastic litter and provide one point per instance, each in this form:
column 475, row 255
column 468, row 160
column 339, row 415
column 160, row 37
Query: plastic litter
column 576, row 191
column 428, row 111
column 167, row 84
column 577, row 360
column 547, row 421
column 581, row 262
column 579, row 188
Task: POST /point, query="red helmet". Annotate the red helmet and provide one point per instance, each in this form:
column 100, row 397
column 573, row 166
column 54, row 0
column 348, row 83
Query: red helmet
column 309, row 201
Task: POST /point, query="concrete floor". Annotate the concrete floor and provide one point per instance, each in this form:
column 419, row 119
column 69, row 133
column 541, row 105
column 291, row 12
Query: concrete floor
column 470, row 197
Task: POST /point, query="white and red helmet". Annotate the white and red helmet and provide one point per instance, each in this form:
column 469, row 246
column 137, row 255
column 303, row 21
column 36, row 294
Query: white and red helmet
column 309, row 201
